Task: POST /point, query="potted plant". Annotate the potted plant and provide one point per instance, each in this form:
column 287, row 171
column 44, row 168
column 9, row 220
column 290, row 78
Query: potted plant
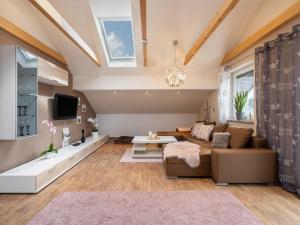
column 95, row 132
column 240, row 101
column 49, row 152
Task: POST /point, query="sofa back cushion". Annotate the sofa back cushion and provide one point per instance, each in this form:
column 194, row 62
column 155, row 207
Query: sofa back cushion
column 239, row 137
column 204, row 132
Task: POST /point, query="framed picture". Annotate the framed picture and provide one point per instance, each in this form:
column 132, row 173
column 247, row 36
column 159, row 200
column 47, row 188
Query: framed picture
column 83, row 108
column 78, row 120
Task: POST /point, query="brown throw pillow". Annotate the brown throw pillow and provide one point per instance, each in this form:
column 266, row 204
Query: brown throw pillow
column 219, row 129
column 239, row 137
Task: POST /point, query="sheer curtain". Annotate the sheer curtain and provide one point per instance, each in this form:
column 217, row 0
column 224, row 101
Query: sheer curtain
column 277, row 81
column 224, row 95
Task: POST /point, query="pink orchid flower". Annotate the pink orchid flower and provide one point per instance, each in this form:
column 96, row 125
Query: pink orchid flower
column 51, row 127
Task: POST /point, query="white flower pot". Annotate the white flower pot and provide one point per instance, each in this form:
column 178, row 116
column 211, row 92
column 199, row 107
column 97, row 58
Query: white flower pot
column 50, row 155
column 95, row 134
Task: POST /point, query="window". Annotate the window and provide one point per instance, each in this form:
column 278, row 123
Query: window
column 28, row 56
column 243, row 80
column 118, row 41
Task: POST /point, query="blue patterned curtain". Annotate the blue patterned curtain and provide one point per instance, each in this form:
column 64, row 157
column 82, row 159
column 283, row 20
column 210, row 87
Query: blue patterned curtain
column 277, row 81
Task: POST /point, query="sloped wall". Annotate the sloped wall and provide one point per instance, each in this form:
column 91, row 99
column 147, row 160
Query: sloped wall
column 139, row 124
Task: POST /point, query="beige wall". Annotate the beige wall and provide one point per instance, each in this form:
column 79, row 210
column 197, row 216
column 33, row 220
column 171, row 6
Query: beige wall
column 116, row 125
column 13, row 153
column 212, row 105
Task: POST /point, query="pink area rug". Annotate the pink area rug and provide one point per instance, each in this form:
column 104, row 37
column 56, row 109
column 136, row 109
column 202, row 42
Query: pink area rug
column 145, row 208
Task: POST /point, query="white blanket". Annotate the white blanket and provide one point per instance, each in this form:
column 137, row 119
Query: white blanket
column 185, row 150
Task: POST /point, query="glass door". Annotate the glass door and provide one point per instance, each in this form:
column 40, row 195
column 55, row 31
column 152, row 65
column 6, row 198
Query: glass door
column 27, row 92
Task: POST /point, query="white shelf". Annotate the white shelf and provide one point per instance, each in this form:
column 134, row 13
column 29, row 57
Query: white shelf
column 33, row 176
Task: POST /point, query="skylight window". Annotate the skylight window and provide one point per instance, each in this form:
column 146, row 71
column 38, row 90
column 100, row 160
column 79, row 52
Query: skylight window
column 118, row 40
column 28, row 55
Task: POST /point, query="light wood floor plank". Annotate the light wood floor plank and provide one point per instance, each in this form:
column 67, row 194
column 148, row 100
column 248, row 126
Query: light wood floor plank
column 102, row 171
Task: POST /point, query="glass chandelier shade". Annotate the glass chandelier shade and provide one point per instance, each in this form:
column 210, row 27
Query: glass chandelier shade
column 175, row 75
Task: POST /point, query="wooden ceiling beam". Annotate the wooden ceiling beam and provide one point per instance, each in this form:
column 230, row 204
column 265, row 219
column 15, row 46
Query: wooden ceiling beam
column 226, row 8
column 282, row 18
column 19, row 33
column 143, row 9
column 53, row 15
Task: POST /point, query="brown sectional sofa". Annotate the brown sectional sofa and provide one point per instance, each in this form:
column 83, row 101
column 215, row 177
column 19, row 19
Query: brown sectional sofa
column 254, row 164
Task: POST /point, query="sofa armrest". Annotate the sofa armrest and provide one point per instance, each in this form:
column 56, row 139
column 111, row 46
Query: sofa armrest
column 244, row 165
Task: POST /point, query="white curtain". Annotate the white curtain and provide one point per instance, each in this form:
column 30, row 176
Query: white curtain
column 224, row 95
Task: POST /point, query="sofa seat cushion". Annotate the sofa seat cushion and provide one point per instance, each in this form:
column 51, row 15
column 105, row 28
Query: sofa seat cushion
column 204, row 157
column 203, row 144
column 240, row 151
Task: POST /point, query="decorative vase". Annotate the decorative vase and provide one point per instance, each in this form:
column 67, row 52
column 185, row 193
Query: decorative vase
column 239, row 115
column 82, row 137
column 95, row 134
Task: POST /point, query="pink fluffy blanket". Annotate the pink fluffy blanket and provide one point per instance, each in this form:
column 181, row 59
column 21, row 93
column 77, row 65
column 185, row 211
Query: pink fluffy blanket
column 185, row 150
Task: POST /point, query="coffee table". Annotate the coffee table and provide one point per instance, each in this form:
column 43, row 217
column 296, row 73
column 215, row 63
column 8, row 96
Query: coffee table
column 139, row 148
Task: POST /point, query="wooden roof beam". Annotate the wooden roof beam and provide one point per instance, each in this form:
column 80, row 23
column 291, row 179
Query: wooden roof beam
column 19, row 33
column 226, row 8
column 143, row 8
column 53, row 15
column 282, row 18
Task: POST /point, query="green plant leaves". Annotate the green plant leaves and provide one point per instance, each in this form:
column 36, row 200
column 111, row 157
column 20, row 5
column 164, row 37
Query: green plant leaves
column 240, row 100
column 50, row 149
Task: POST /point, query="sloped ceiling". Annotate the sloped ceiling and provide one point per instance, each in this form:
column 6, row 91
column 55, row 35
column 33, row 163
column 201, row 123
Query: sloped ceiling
column 167, row 20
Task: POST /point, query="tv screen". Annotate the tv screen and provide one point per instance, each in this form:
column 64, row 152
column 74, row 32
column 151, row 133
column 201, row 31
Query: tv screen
column 64, row 107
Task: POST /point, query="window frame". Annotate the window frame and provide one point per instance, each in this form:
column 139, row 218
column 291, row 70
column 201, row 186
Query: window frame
column 112, row 60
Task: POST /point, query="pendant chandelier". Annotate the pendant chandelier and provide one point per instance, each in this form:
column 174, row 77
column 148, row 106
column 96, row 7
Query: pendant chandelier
column 175, row 75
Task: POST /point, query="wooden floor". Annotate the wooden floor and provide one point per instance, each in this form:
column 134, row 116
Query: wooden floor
column 102, row 171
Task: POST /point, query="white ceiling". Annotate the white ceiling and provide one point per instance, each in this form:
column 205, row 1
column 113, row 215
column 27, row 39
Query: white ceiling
column 155, row 101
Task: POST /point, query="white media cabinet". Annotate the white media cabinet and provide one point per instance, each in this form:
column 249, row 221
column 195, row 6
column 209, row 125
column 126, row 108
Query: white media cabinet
column 33, row 176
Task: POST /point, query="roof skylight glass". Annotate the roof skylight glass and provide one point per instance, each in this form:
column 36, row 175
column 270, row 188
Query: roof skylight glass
column 118, row 39
column 28, row 55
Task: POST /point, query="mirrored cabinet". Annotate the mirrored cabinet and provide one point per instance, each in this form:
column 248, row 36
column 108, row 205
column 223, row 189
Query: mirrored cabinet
column 18, row 93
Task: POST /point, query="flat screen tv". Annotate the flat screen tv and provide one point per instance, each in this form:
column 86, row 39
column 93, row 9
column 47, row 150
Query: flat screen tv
column 64, row 107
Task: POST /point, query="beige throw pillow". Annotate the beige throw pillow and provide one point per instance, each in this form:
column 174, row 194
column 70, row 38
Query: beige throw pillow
column 196, row 128
column 204, row 132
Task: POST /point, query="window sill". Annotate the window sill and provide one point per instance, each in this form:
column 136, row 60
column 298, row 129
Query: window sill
column 241, row 121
